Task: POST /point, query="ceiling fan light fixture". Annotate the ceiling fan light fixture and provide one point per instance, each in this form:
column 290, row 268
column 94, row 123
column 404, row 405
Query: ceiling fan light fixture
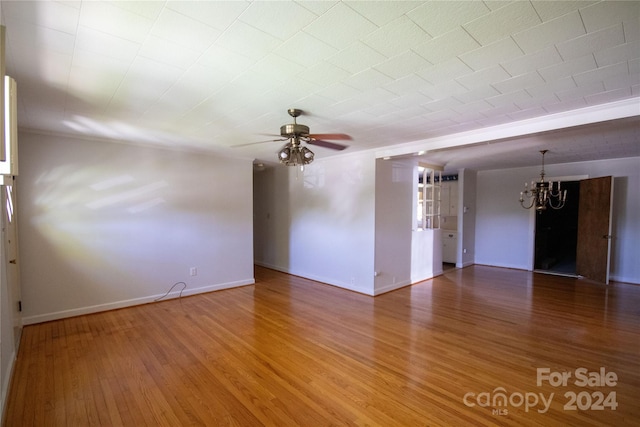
column 292, row 154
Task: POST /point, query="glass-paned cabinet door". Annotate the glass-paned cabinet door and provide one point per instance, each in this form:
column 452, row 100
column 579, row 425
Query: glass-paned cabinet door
column 429, row 191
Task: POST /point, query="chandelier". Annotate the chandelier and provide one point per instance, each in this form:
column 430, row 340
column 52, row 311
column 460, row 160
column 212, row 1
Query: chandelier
column 293, row 154
column 543, row 193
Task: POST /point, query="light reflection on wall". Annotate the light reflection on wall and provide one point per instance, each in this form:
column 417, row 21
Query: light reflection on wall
column 102, row 222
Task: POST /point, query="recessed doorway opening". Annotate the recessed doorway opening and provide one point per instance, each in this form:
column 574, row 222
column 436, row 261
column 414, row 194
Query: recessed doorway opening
column 556, row 235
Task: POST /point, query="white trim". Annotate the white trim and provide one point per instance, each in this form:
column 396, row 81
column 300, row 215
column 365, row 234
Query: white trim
column 321, row 280
column 594, row 114
column 6, row 384
column 30, row 320
column 393, row 287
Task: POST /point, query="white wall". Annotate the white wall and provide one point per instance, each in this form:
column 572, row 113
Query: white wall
column 467, row 218
column 320, row 221
column 503, row 227
column 105, row 225
column 395, row 182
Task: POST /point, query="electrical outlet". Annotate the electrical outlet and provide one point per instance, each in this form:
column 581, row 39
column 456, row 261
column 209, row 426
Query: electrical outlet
column 193, row 271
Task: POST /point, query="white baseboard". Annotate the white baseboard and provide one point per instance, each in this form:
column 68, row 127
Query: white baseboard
column 391, row 287
column 30, row 320
column 323, row 280
column 6, row 384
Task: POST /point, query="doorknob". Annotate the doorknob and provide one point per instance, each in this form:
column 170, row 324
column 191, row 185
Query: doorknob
column 12, row 261
column 607, row 236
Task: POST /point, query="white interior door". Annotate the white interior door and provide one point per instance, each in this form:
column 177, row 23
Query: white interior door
column 10, row 242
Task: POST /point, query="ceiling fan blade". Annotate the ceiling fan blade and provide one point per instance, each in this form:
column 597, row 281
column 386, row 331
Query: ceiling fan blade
column 326, row 144
column 338, row 136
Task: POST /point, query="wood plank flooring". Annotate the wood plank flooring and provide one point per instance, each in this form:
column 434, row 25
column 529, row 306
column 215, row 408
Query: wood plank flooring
column 292, row 352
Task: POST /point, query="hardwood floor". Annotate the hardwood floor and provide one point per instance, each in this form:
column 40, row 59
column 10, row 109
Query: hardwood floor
column 292, row 352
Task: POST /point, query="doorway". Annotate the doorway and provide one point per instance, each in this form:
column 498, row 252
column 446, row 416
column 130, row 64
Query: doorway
column 556, row 235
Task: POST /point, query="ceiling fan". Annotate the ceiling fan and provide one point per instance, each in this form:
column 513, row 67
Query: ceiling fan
column 294, row 153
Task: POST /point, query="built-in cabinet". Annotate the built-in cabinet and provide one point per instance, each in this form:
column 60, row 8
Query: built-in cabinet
column 449, row 246
column 449, row 198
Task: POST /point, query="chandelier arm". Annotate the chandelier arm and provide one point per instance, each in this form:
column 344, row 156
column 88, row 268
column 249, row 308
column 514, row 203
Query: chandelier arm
column 533, row 200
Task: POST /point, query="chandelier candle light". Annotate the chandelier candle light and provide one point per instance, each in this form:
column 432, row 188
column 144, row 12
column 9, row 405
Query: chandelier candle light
column 542, row 193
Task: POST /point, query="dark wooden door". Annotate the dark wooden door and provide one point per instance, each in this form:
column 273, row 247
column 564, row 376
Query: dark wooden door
column 594, row 229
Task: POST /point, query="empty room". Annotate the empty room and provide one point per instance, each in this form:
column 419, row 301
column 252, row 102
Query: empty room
column 314, row 213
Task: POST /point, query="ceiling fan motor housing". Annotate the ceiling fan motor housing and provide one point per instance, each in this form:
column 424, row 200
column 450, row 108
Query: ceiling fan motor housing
column 294, row 129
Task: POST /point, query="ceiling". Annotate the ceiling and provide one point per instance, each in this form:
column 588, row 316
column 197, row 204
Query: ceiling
column 482, row 85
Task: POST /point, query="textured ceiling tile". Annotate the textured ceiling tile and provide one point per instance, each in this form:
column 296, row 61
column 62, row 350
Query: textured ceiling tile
column 294, row 89
column 226, row 63
column 442, row 104
column 324, row 73
column 602, row 73
column 540, row 59
column 592, row 42
column 618, row 82
column 522, row 81
column 397, row 36
column 608, row 13
column 53, row 15
column 406, row 84
column 402, row 65
column 552, row 9
column 188, row 90
column 484, row 77
column 276, row 68
column 443, row 89
column 55, row 66
column 111, row 19
column 620, row 53
column 472, row 109
column 444, row 71
column 440, row 17
column 527, row 113
column 536, row 102
column 183, row 30
column 368, row 79
column 148, row 9
column 410, row 100
column 346, row 24
column 91, row 40
column 477, row 94
column 280, row 19
column 56, row 41
column 582, row 91
column 305, row 49
column 512, row 18
column 356, row 57
column 111, row 70
column 568, row 68
column 338, row 91
column 382, row 12
column 631, row 30
column 217, row 14
column 551, row 32
column 551, row 87
column 448, row 46
column 487, row 55
column 511, row 98
column 143, row 85
column 608, row 96
column 168, row 52
column 247, row 40
column 317, row 6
